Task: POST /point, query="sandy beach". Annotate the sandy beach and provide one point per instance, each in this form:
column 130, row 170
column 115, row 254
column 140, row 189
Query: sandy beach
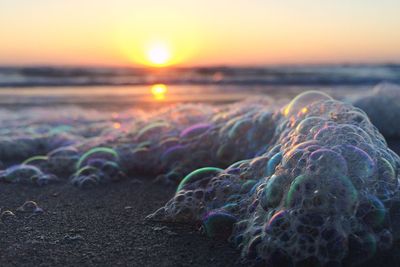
column 106, row 226
column 103, row 226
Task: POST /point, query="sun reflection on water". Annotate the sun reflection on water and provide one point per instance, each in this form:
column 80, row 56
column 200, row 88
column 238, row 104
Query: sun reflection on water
column 158, row 91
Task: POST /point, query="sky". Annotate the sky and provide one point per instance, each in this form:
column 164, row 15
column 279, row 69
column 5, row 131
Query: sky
column 198, row 32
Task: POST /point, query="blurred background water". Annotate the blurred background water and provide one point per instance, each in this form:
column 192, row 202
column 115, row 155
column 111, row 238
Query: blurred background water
column 142, row 86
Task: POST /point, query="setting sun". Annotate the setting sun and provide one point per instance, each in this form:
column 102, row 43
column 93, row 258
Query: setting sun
column 159, row 54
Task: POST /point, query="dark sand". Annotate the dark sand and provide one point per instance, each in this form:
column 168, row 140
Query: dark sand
column 105, row 226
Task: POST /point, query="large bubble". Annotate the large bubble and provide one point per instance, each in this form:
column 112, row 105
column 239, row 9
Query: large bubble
column 300, row 103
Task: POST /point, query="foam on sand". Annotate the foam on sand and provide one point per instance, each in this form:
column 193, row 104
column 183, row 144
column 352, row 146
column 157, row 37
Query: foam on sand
column 324, row 192
column 312, row 182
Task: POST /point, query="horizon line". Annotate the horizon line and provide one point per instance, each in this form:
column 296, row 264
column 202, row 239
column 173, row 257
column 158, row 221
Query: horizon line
column 198, row 66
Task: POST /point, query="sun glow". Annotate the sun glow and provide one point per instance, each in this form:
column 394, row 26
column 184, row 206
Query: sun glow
column 159, row 54
column 151, row 47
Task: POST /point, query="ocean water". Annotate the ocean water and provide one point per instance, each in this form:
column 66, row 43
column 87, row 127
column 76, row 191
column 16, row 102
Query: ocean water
column 132, row 87
column 290, row 164
column 308, row 75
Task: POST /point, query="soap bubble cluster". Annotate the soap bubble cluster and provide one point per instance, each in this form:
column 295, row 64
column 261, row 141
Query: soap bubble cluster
column 98, row 165
column 310, row 183
column 323, row 192
column 93, row 148
column 26, row 174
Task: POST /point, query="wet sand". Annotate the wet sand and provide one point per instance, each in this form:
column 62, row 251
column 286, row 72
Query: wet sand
column 105, row 226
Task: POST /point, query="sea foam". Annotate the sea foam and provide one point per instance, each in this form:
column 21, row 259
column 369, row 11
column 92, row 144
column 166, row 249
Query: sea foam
column 312, row 182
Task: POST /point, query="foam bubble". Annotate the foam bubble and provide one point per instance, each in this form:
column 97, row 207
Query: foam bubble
column 300, row 103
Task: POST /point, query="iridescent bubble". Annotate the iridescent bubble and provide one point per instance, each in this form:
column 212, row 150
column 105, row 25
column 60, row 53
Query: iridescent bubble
column 305, row 126
column 7, row 216
column 273, row 191
column 20, row 174
column 169, row 142
column 371, row 211
column 144, row 144
column 219, row 224
column 300, row 102
column 96, row 163
column 30, row 207
column 387, row 185
column 273, row 162
column 173, row 154
column 253, row 244
column 87, row 182
column 238, row 164
column 362, row 165
column 312, row 193
column 248, row 185
column 195, row 130
column 239, row 129
column 279, row 222
column 63, row 153
column 97, row 152
column 292, row 156
column 326, row 162
column 231, row 207
column 87, row 170
column 151, row 129
column 339, row 134
column 44, row 179
column 35, row 160
column 112, row 170
column 204, row 174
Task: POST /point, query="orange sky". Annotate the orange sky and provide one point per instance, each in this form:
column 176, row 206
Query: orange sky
column 206, row 32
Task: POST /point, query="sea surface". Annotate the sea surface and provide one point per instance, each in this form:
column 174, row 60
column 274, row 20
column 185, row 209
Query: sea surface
column 131, row 87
